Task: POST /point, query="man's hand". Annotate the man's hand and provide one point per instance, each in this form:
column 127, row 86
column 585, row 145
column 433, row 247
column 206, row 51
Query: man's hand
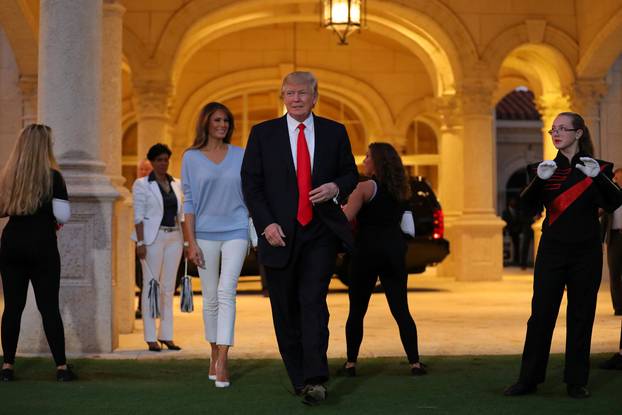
column 546, row 169
column 323, row 193
column 274, row 235
column 590, row 167
column 141, row 252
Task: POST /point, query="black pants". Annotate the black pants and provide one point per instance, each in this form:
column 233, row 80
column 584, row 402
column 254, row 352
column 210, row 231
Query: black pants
column 614, row 261
column 298, row 300
column 389, row 265
column 578, row 268
column 20, row 262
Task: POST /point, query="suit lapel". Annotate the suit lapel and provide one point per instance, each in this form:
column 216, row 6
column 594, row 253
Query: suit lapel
column 283, row 139
column 320, row 142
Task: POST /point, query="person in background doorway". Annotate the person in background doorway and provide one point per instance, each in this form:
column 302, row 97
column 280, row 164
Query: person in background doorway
column 612, row 227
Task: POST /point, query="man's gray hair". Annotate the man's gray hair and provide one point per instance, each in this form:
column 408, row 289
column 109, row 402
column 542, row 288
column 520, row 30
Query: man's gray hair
column 300, row 77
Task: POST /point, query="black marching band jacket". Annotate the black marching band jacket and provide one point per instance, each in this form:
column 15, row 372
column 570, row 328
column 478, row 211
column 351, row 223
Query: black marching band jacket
column 571, row 200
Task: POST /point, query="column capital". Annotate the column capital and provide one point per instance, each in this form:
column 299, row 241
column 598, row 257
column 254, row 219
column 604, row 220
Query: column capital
column 587, row 94
column 113, row 7
column 549, row 105
column 28, row 84
column 476, row 96
column 449, row 109
column 152, row 99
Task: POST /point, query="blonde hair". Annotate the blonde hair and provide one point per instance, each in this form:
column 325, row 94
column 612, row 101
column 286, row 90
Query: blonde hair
column 26, row 179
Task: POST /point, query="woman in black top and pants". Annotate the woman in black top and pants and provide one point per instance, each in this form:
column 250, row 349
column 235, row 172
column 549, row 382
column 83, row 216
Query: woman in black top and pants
column 572, row 188
column 380, row 249
column 34, row 195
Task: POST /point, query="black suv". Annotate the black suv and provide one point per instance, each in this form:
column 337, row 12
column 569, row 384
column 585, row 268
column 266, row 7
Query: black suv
column 428, row 247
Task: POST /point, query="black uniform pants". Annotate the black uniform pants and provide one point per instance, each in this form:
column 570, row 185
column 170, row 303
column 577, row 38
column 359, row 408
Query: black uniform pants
column 21, row 262
column 577, row 267
column 298, row 299
column 390, row 267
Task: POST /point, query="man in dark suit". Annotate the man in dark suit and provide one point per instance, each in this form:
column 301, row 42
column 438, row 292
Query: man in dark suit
column 297, row 169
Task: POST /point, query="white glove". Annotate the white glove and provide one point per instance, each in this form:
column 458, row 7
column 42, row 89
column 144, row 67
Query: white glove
column 546, row 169
column 408, row 224
column 590, row 167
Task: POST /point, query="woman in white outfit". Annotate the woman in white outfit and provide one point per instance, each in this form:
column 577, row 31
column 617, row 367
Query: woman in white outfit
column 216, row 227
column 159, row 244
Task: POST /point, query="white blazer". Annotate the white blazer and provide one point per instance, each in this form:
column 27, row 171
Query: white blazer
column 149, row 206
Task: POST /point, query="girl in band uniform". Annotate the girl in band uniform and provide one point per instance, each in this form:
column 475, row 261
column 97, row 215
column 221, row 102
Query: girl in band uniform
column 571, row 188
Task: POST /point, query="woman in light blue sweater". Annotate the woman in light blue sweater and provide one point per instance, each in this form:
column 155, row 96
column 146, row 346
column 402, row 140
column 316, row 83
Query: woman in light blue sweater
column 216, row 227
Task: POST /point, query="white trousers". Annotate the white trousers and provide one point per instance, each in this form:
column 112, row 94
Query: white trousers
column 162, row 258
column 219, row 281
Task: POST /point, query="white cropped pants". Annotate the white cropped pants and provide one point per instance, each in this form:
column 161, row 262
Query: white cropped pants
column 219, row 281
column 162, row 258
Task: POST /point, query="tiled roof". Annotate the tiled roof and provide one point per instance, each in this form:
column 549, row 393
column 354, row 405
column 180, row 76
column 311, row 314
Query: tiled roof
column 517, row 105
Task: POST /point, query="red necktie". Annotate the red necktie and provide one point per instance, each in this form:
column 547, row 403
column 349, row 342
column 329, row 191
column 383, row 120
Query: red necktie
column 303, row 174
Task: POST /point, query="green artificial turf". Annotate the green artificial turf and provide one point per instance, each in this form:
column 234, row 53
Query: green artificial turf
column 454, row 385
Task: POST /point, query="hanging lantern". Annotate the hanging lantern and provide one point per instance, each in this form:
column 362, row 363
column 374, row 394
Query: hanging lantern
column 343, row 16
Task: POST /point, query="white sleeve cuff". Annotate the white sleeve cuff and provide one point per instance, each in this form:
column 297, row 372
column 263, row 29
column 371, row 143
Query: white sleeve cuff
column 61, row 210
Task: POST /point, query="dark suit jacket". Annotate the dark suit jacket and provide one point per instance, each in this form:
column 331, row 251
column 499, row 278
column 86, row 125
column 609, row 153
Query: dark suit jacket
column 271, row 190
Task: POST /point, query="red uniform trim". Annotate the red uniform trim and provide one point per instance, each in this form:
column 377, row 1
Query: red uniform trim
column 567, row 198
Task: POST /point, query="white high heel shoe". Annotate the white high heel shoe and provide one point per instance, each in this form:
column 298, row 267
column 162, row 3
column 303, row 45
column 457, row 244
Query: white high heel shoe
column 212, row 377
column 222, row 384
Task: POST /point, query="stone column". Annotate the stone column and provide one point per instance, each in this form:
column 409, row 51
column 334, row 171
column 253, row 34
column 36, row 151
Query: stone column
column 69, row 100
column 476, row 243
column 180, row 142
column 28, row 86
column 152, row 100
column 549, row 105
column 450, row 175
column 587, row 95
column 112, row 135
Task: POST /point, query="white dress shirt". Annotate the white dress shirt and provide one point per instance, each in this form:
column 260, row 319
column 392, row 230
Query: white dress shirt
column 292, row 128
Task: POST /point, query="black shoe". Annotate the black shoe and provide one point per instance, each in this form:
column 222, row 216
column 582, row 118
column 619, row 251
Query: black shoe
column 577, row 391
column 613, row 363
column 314, row 394
column 154, row 347
column 617, row 313
column 138, row 315
column 519, row 389
column 418, row 371
column 169, row 344
column 348, row 372
column 6, row 375
column 65, row 375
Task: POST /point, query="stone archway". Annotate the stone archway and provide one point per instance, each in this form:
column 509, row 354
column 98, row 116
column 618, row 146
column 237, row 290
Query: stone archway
column 197, row 24
column 601, row 53
column 363, row 99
